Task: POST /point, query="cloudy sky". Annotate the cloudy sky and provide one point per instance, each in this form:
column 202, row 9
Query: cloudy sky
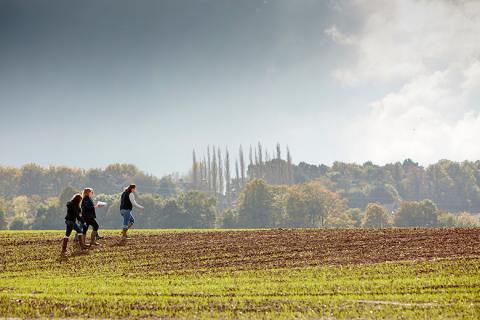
column 88, row 83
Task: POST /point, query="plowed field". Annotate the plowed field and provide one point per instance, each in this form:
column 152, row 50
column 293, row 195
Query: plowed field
column 375, row 273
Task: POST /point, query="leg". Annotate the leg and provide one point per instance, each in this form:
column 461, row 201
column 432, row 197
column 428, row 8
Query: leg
column 126, row 220
column 131, row 220
column 81, row 237
column 68, row 232
column 93, row 237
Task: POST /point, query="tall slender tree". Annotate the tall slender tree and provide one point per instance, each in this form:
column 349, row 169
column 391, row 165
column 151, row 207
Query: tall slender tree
column 221, row 186
column 209, row 170
column 237, row 178
column 242, row 163
column 289, row 167
column 279, row 152
column 214, row 172
column 204, row 173
column 195, row 171
column 260, row 153
column 228, row 188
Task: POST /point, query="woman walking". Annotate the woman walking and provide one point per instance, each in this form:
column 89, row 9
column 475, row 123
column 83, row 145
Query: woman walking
column 89, row 215
column 73, row 215
column 127, row 202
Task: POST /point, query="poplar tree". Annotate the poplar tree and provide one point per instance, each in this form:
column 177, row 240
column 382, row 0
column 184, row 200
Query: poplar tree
column 220, row 172
column 195, row 170
column 209, row 170
column 227, row 177
column 237, row 178
column 242, row 163
column 214, row 172
column 289, row 167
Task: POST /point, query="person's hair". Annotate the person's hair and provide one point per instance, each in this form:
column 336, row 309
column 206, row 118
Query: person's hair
column 76, row 199
column 130, row 187
column 86, row 191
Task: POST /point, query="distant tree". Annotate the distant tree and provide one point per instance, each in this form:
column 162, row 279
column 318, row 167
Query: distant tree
column 209, row 170
column 21, row 207
column 174, row 215
column 375, row 216
column 237, row 178
column 18, row 223
column 195, row 173
column 221, row 186
column 230, row 219
column 310, row 204
column 67, row 194
column 214, row 172
column 3, row 220
column 198, row 208
column 340, row 220
column 260, row 153
column 446, row 219
column 167, row 187
column 416, row 214
column 356, row 215
column 49, row 217
column 32, row 179
column 228, row 187
column 289, row 168
column 466, row 219
column 255, row 205
column 242, row 164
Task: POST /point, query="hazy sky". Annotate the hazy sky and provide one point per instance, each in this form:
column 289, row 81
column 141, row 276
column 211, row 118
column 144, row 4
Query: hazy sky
column 88, row 83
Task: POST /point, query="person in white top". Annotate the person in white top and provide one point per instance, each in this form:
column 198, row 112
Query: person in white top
column 127, row 202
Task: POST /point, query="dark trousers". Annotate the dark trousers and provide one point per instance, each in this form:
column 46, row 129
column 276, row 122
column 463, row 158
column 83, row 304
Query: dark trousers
column 90, row 222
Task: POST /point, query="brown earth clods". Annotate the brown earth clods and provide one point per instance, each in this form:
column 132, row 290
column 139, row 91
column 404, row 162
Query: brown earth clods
column 263, row 249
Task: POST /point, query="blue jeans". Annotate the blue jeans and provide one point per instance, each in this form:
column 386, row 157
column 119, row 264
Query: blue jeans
column 72, row 225
column 127, row 217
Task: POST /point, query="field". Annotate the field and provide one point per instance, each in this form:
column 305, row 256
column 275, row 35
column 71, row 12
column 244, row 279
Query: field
column 329, row 274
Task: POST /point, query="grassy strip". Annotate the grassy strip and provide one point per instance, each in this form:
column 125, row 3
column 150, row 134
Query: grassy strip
column 429, row 289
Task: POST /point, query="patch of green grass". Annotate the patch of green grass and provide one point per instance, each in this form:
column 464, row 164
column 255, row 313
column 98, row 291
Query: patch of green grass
column 102, row 285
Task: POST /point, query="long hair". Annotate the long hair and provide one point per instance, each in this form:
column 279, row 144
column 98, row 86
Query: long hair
column 77, row 199
column 86, row 191
column 130, row 187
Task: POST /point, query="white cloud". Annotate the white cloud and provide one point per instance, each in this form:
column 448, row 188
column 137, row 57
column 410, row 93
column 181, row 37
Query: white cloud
column 432, row 49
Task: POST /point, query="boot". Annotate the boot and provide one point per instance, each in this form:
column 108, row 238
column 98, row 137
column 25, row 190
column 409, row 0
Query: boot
column 93, row 238
column 81, row 241
column 124, row 234
column 99, row 237
column 64, row 247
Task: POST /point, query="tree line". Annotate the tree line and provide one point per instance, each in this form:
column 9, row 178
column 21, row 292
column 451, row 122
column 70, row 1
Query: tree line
column 33, row 196
column 453, row 186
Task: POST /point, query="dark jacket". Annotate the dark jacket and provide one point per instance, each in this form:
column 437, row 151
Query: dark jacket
column 88, row 208
column 73, row 212
column 125, row 203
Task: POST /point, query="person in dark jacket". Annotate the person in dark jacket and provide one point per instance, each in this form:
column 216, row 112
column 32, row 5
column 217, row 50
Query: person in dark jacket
column 127, row 202
column 89, row 215
column 73, row 215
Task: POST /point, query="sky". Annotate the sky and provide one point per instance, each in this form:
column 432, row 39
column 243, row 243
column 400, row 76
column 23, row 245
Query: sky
column 89, row 83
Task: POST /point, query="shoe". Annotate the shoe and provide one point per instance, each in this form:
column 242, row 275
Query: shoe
column 99, row 237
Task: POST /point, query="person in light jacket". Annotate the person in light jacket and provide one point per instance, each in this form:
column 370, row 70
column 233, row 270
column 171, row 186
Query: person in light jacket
column 127, row 202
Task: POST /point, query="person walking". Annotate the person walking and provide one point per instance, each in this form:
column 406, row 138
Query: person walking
column 73, row 216
column 89, row 215
column 127, row 202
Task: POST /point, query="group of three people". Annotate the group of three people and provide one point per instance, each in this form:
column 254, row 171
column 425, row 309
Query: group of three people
column 81, row 215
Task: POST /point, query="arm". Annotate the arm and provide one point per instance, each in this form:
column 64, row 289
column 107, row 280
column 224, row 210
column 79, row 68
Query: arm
column 134, row 203
column 79, row 216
